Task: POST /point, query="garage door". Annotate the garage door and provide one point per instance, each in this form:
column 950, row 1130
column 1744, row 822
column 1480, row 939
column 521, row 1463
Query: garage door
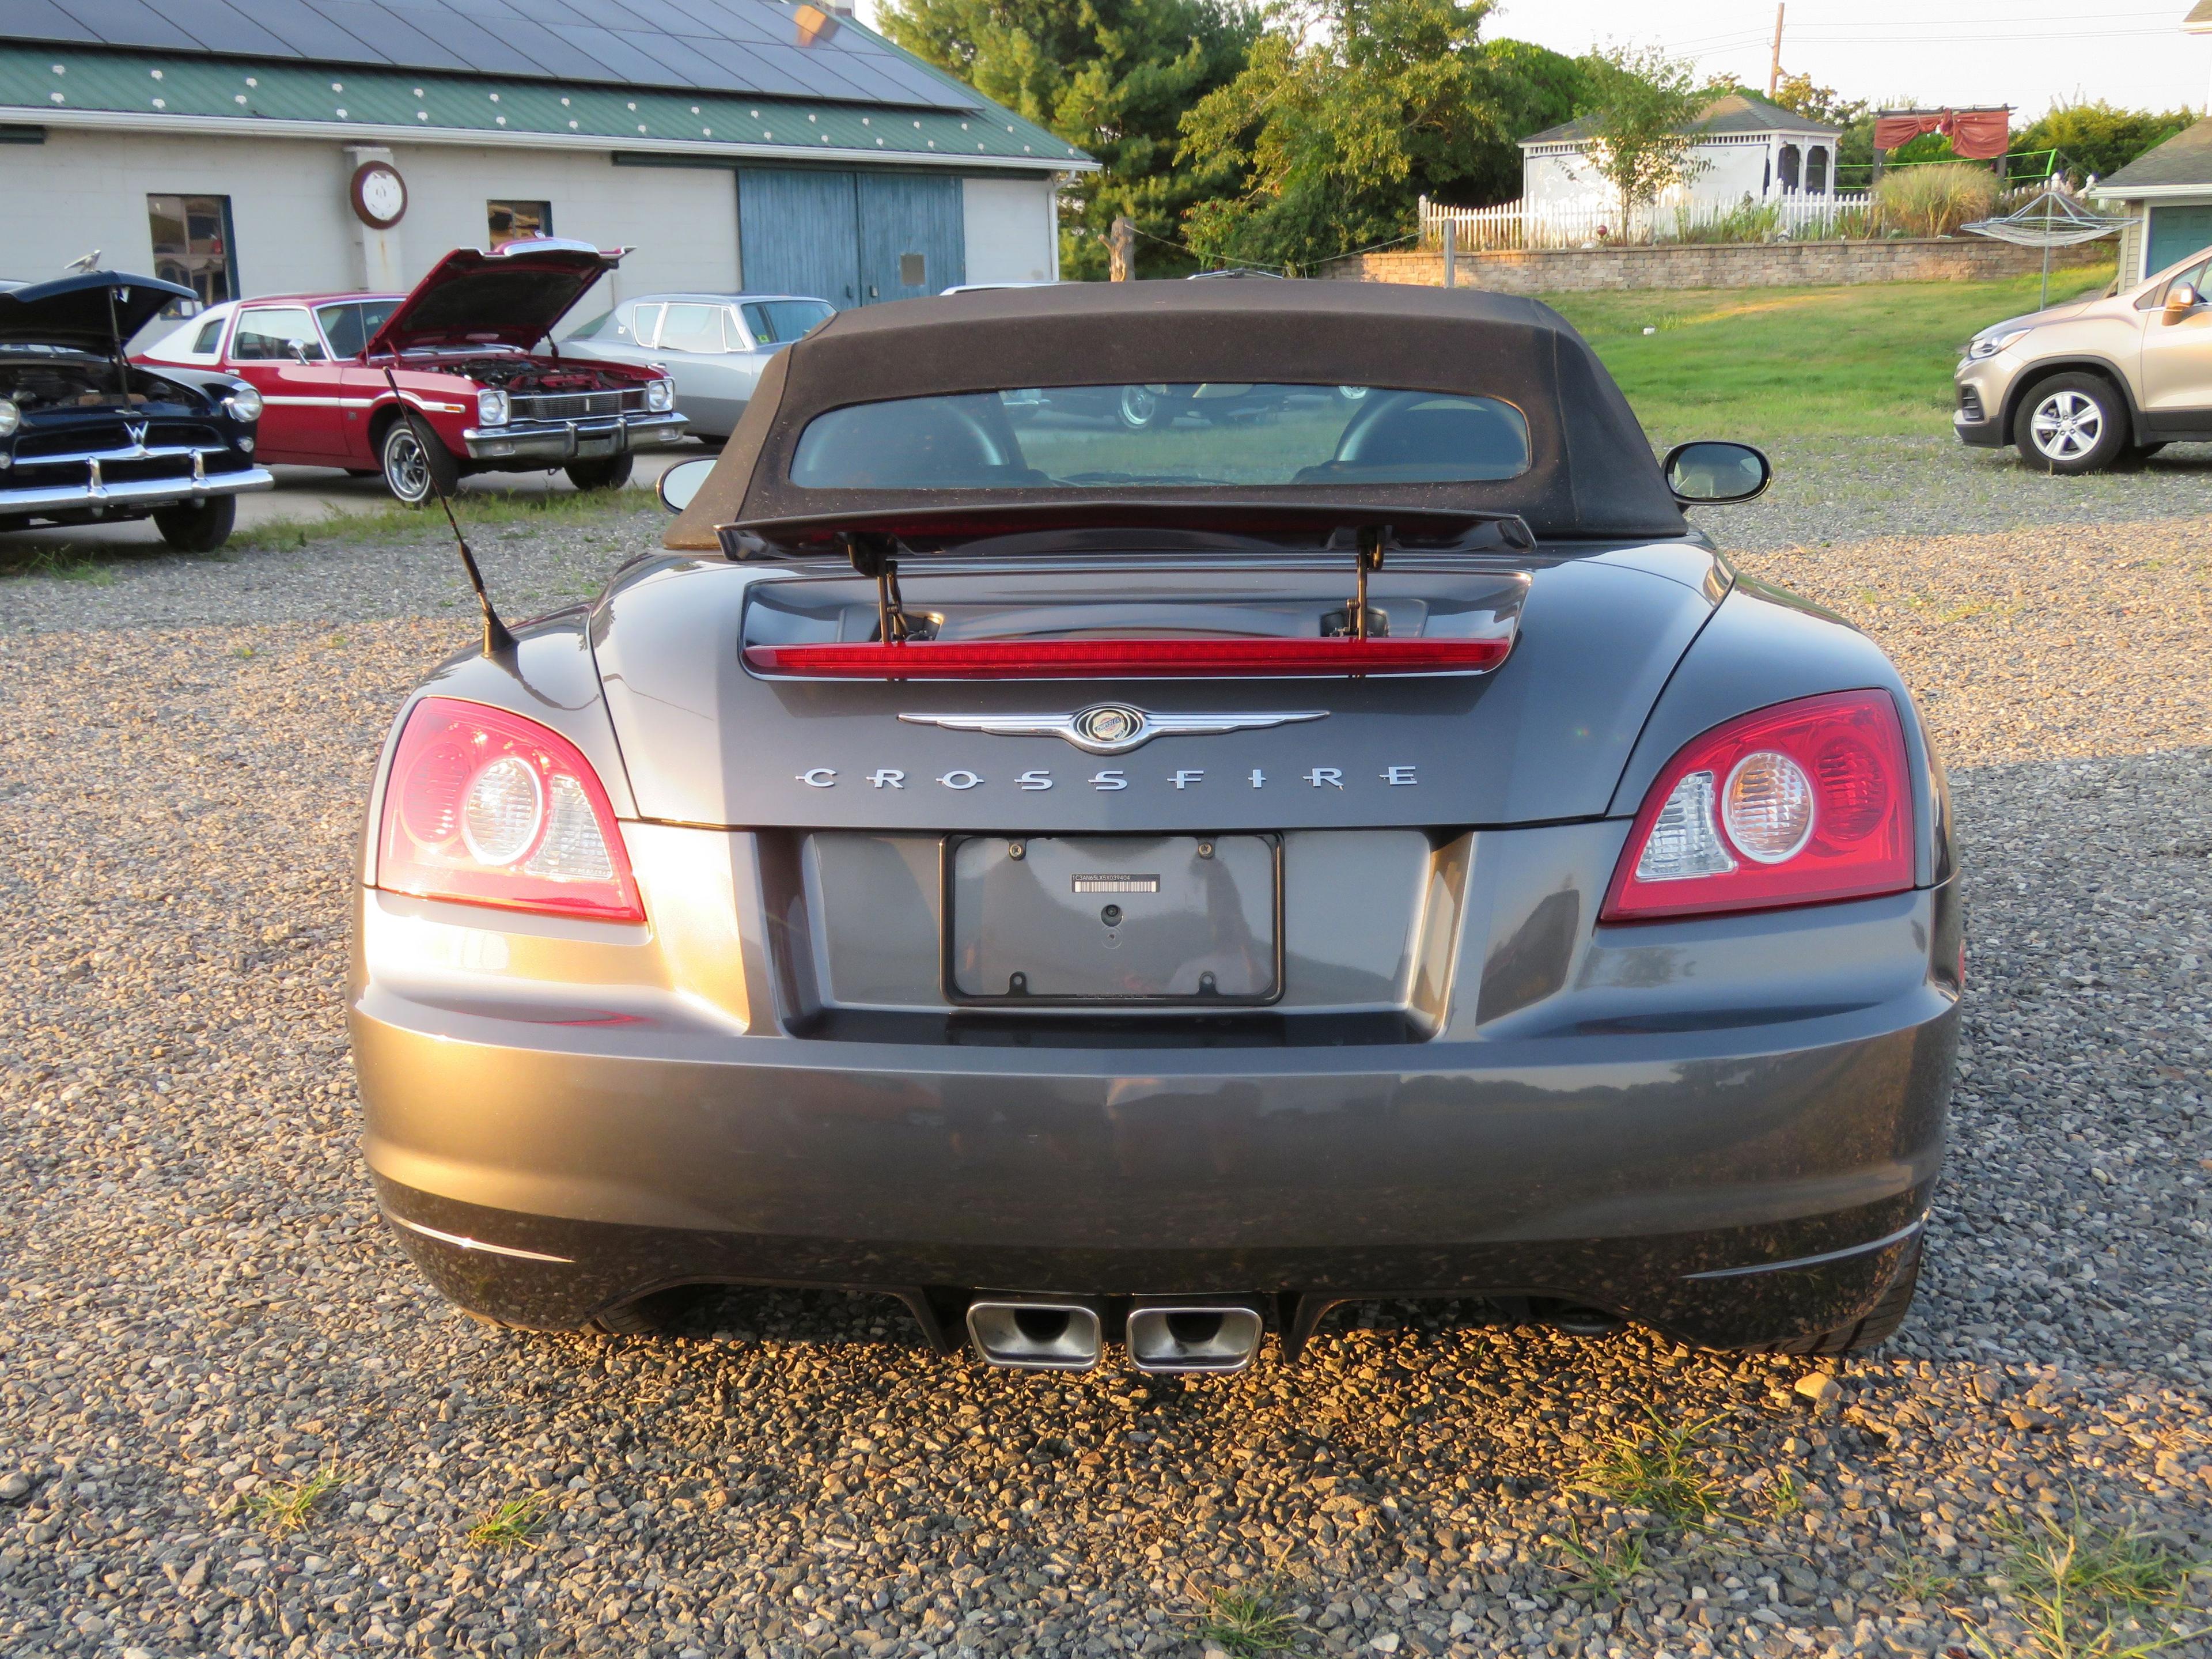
column 851, row 239
column 798, row 233
column 2175, row 234
column 911, row 237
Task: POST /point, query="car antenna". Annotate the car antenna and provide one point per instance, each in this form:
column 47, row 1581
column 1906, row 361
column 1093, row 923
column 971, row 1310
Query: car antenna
column 497, row 639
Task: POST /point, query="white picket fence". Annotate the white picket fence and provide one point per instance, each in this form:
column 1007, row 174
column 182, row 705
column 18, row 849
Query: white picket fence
column 1512, row 225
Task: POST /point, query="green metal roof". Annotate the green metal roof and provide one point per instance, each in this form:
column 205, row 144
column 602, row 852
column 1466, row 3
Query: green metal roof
column 77, row 86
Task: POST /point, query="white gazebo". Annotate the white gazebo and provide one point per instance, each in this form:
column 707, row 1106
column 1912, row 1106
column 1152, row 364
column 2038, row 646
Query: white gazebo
column 1750, row 150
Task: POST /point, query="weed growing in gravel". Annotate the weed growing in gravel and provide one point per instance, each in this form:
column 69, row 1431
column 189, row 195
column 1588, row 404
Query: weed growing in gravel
column 1918, row 1578
column 288, row 1508
column 478, row 510
column 1784, row 1497
column 1656, row 1470
column 2106, row 1567
column 1603, row 1567
column 1247, row 1623
column 515, row 1524
column 2083, row 1585
column 67, row 562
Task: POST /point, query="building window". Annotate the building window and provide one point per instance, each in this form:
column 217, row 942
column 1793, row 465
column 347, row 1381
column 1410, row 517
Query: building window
column 1789, row 164
column 518, row 221
column 1816, row 171
column 193, row 245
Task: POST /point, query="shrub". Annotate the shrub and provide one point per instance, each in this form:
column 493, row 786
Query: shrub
column 1937, row 200
column 1746, row 222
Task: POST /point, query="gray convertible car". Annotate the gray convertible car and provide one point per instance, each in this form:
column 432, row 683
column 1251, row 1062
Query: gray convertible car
column 1130, row 891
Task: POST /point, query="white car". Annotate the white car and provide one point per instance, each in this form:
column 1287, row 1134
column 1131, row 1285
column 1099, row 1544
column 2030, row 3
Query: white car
column 712, row 345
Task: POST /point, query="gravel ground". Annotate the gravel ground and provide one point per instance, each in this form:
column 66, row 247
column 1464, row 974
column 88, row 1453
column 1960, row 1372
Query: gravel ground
column 203, row 1312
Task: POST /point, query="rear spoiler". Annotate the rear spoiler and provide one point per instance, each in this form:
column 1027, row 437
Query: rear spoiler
column 903, row 647
column 1319, row 526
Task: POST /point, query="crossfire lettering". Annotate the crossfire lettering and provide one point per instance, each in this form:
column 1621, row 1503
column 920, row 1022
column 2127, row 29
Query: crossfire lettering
column 1108, row 779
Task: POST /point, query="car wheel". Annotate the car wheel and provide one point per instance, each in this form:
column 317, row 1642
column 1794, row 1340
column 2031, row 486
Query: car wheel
column 2071, row 423
column 1141, row 407
column 415, row 462
column 1878, row 1327
column 611, row 473
column 198, row 526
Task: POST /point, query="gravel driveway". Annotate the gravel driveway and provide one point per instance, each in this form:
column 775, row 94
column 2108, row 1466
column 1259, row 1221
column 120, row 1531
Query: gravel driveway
column 231, row 1423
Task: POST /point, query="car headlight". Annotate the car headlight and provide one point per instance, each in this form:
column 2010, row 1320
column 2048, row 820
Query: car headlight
column 660, row 395
column 1988, row 346
column 243, row 405
column 10, row 418
column 491, row 408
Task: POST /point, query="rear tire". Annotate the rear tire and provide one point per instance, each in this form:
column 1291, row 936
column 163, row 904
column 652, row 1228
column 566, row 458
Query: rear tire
column 1140, row 408
column 2071, row 424
column 1879, row 1325
column 613, row 473
column 416, row 463
column 198, row 526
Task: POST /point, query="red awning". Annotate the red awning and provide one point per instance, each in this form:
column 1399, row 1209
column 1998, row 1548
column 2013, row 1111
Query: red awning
column 1976, row 135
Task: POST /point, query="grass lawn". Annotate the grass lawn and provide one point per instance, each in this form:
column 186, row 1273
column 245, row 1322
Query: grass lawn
column 1871, row 360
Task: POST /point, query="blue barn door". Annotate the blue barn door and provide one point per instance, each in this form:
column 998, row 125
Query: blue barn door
column 799, row 232
column 913, row 238
column 2175, row 234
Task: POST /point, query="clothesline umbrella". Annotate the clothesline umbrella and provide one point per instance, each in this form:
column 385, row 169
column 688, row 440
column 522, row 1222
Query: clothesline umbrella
column 2053, row 218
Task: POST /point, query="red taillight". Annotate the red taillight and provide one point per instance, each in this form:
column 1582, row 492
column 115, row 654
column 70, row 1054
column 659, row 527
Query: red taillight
column 1158, row 659
column 489, row 808
column 1803, row 803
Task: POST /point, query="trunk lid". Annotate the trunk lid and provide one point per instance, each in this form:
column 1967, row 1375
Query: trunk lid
column 1544, row 737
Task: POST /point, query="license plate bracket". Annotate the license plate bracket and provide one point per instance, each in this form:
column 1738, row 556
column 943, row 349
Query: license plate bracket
column 1113, row 920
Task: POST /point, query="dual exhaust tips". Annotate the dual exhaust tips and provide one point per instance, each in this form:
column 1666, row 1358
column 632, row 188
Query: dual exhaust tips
column 1162, row 1334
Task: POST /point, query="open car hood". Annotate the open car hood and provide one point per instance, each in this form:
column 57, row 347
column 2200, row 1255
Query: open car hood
column 73, row 311
column 512, row 297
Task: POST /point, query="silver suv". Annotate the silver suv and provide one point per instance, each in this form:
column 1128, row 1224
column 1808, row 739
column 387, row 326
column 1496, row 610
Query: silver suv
column 2081, row 386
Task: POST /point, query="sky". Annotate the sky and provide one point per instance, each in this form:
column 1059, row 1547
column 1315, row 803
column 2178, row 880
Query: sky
column 2027, row 53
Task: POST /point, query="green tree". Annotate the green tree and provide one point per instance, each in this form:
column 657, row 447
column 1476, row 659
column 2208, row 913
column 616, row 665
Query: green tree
column 1347, row 113
column 1643, row 116
column 2097, row 138
column 1111, row 76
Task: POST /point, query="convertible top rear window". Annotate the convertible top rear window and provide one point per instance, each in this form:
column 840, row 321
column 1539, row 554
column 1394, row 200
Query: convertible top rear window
column 1085, row 437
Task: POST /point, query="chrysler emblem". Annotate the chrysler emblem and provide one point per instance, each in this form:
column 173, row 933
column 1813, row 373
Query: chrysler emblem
column 1112, row 728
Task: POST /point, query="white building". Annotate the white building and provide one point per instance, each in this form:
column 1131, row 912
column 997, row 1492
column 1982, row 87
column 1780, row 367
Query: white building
column 1748, row 151
column 735, row 144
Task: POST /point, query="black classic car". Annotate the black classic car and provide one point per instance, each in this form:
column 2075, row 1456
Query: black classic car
column 1143, row 885
column 89, row 437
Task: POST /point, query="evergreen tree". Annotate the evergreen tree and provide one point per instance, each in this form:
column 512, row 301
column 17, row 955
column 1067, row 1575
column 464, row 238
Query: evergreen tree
column 1111, row 77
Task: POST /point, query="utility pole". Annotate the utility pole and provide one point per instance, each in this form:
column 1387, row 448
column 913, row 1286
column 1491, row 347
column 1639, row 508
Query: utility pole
column 1121, row 250
column 1774, row 68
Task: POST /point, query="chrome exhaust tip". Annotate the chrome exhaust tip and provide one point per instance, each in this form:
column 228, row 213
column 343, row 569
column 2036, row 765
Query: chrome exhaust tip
column 1192, row 1333
column 1028, row 1332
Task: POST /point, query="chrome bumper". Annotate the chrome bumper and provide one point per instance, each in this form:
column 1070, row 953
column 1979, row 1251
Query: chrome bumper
column 557, row 441
column 96, row 491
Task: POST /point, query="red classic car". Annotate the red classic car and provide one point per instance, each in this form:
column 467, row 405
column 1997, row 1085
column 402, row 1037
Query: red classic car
column 460, row 347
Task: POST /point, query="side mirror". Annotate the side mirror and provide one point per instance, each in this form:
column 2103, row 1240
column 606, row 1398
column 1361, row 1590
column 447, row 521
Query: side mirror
column 682, row 482
column 1713, row 474
column 296, row 350
column 2180, row 299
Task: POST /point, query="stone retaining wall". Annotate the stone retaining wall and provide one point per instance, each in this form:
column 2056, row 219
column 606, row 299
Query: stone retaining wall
column 1720, row 265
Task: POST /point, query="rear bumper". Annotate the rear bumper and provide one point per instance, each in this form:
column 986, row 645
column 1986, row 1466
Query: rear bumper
column 554, row 443
column 1735, row 1186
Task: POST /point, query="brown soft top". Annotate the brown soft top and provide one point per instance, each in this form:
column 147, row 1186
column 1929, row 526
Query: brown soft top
column 1593, row 473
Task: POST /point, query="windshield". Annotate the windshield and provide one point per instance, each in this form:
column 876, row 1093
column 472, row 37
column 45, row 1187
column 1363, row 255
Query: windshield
column 773, row 322
column 1107, row 436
